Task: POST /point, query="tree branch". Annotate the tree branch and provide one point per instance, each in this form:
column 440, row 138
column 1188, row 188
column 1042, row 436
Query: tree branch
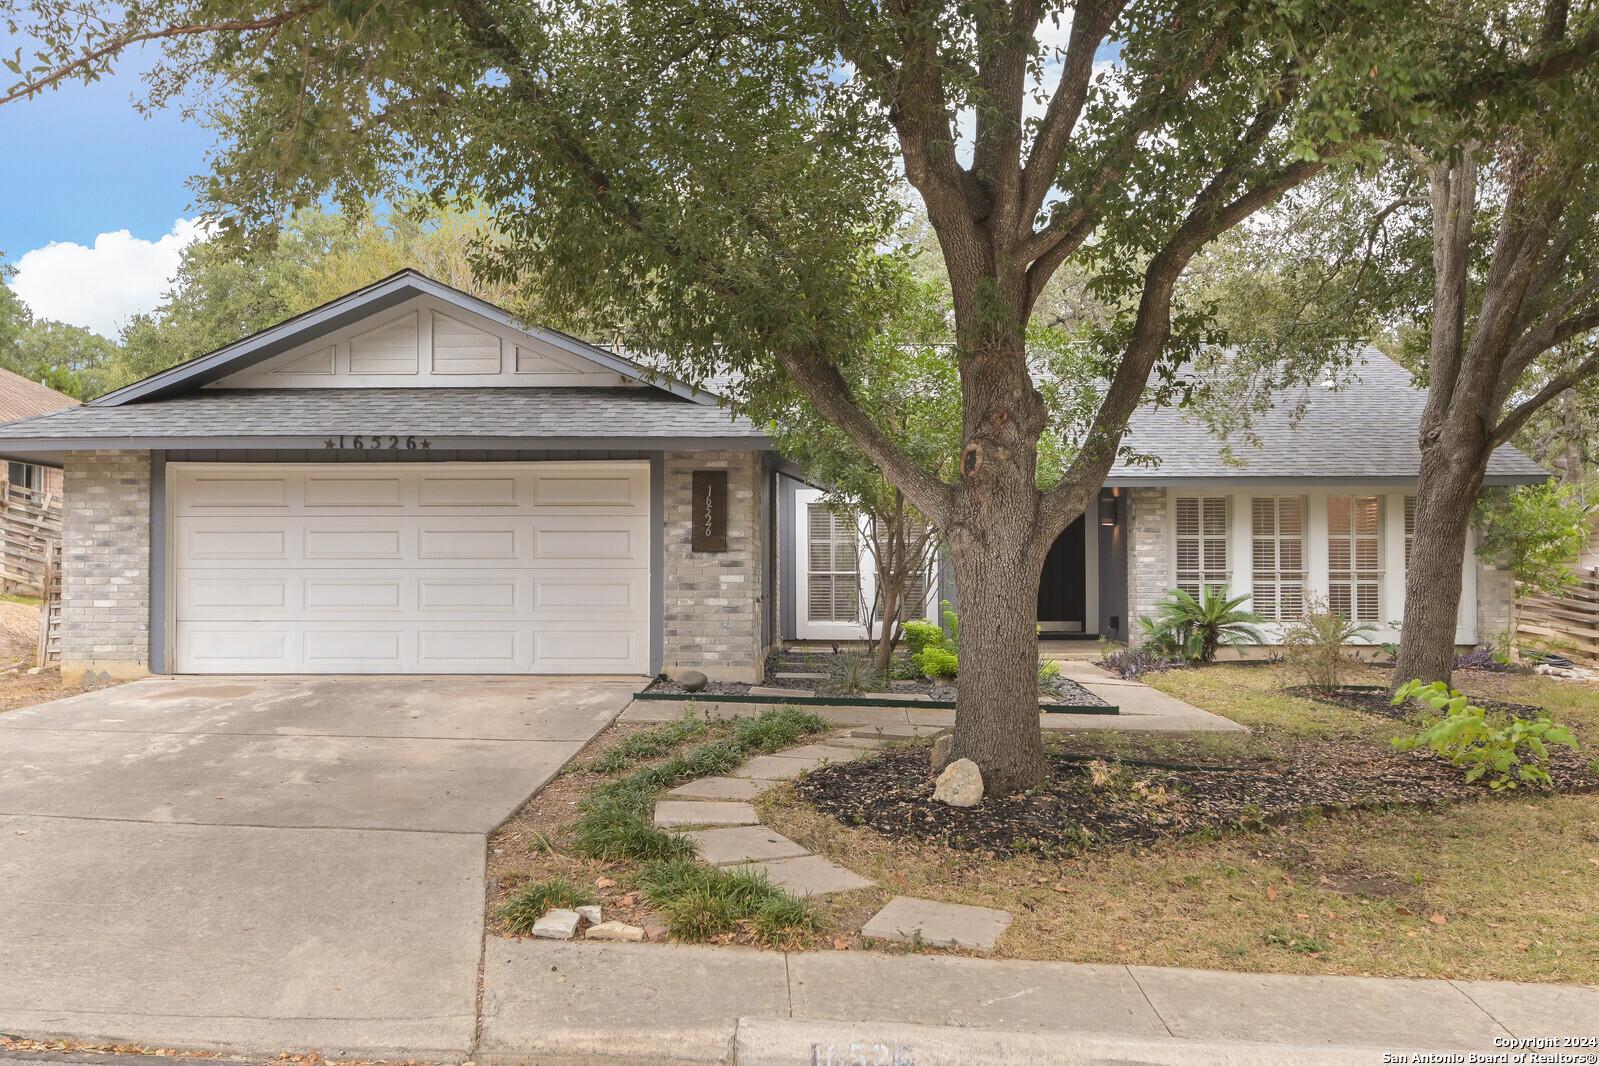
column 110, row 51
column 825, row 387
column 1518, row 415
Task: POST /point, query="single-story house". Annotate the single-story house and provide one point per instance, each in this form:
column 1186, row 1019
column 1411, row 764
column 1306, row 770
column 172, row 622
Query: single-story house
column 408, row 480
column 21, row 398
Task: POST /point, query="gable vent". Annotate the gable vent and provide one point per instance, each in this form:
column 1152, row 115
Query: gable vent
column 389, row 349
column 462, row 349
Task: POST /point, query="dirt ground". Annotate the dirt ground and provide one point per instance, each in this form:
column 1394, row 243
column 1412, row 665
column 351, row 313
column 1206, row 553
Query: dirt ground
column 19, row 633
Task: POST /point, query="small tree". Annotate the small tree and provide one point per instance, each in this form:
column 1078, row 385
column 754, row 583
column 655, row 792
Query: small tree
column 911, row 391
column 1538, row 530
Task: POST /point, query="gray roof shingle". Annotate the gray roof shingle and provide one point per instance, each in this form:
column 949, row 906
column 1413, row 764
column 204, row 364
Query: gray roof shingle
column 1364, row 432
column 457, row 414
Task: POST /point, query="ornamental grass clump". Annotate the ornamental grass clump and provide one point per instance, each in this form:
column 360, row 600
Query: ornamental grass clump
column 1316, row 644
column 701, row 902
column 531, row 902
column 1515, row 751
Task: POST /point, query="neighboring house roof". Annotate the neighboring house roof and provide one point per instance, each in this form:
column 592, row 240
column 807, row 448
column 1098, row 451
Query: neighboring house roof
column 448, row 418
column 20, row 397
column 1364, row 433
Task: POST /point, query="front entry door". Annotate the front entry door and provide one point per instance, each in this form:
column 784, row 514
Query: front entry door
column 1062, row 591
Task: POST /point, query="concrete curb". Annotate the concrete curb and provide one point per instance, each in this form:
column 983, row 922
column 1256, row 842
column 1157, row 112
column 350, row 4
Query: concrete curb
column 781, row 1042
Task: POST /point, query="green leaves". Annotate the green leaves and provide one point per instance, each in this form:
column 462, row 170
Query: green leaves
column 1195, row 629
column 1514, row 750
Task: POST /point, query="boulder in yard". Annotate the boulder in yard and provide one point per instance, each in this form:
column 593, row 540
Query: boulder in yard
column 960, row 785
column 941, row 748
column 693, row 681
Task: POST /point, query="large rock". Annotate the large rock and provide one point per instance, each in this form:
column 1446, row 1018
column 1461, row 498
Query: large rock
column 615, row 931
column 941, row 750
column 960, row 785
column 558, row 924
column 693, row 681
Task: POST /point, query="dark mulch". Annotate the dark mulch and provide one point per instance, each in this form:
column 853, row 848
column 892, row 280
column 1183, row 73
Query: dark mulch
column 813, row 661
column 892, row 792
column 1376, row 701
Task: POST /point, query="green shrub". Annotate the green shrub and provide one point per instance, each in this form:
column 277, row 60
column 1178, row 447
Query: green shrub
column 937, row 662
column 920, row 635
column 531, row 902
column 1513, row 749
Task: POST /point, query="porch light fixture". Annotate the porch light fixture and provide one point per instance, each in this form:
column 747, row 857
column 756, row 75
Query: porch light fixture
column 1107, row 510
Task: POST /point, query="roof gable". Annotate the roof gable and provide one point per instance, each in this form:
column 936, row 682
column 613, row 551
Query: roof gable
column 406, row 331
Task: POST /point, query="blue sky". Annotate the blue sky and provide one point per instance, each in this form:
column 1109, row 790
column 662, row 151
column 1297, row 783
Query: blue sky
column 107, row 187
column 93, row 165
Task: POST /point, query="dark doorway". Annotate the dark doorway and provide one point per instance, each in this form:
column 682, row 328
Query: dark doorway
column 1062, row 591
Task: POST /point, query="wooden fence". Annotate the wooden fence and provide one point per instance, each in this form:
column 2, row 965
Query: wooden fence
column 1568, row 624
column 30, row 522
column 49, row 653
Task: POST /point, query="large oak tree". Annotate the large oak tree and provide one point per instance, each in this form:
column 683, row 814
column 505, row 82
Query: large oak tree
column 716, row 178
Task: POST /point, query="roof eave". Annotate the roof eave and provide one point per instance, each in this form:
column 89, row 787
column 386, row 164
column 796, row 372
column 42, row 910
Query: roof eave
column 52, row 452
column 1157, row 481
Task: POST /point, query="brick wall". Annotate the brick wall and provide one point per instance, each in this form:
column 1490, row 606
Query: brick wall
column 714, row 614
column 105, row 578
column 1493, row 601
column 1148, row 568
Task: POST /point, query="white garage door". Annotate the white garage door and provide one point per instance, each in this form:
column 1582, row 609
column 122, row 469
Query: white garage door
column 480, row 568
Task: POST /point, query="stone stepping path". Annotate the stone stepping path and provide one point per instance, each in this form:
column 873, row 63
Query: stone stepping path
column 672, row 813
column 939, row 924
column 722, row 788
column 741, row 840
column 810, row 875
column 756, row 843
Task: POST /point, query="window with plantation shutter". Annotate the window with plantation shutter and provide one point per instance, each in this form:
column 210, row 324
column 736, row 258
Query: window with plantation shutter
column 1410, row 528
column 1278, row 556
column 833, row 569
column 1201, row 544
column 1354, row 561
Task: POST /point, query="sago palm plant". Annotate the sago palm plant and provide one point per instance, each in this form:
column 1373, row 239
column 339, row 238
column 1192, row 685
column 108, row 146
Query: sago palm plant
column 1196, row 628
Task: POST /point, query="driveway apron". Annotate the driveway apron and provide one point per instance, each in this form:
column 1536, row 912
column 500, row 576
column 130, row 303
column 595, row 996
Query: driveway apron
column 263, row 864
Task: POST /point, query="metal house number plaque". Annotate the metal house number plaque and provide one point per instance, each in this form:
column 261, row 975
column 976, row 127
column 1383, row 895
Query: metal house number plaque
column 709, row 513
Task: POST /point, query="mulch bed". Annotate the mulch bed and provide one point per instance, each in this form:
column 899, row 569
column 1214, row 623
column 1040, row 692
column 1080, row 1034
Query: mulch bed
column 1088, row 804
column 1376, row 701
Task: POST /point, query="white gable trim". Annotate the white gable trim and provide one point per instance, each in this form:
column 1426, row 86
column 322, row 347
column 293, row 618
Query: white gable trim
column 366, row 304
column 425, row 342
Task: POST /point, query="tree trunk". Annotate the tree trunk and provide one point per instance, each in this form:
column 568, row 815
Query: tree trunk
column 1451, row 477
column 996, row 716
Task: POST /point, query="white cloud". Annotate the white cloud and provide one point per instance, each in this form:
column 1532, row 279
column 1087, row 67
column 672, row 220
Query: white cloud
column 101, row 287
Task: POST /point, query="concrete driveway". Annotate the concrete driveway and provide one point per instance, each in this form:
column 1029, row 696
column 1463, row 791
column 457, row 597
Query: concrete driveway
column 264, row 863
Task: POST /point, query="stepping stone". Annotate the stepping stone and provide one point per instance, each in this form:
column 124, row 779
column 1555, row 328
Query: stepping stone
column 722, row 788
column 615, row 931
column 590, row 913
column 820, row 751
column 781, row 693
column 940, row 924
column 898, row 731
column 558, row 924
column 810, row 875
column 775, row 768
column 799, row 676
column 756, row 843
column 669, row 813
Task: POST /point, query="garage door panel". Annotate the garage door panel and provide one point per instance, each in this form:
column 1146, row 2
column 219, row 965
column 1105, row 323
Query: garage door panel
column 485, row 568
column 359, row 596
column 591, row 648
column 455, row 594
column 345, row 493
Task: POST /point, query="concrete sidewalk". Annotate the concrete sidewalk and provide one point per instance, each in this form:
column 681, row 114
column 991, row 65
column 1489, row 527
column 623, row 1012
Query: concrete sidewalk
column 573, row 1002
